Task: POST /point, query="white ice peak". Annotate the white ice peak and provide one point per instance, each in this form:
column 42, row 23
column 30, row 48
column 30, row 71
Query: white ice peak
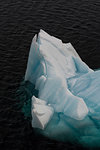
column 51, row 62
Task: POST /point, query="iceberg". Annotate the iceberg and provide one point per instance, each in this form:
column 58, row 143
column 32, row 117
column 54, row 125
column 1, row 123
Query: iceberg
column 50, row 64
column 68, row 90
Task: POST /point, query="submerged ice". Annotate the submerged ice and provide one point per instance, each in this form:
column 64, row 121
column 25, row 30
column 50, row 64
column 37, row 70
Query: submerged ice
column 69, row 96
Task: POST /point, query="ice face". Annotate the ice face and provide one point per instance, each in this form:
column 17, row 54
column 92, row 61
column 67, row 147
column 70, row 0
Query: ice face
column 50, row 64
column 41, row 113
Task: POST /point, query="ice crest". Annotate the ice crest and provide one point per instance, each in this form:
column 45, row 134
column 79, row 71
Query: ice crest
column 50, row 64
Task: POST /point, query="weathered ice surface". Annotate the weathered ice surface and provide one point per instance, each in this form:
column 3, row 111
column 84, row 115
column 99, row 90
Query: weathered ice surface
column 51, row 63
column 72, row 21
column 68, row 92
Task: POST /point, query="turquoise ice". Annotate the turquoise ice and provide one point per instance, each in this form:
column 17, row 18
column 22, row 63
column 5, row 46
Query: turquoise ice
column 68, row 101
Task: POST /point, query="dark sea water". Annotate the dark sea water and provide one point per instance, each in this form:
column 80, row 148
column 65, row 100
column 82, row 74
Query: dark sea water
column 75, row 21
